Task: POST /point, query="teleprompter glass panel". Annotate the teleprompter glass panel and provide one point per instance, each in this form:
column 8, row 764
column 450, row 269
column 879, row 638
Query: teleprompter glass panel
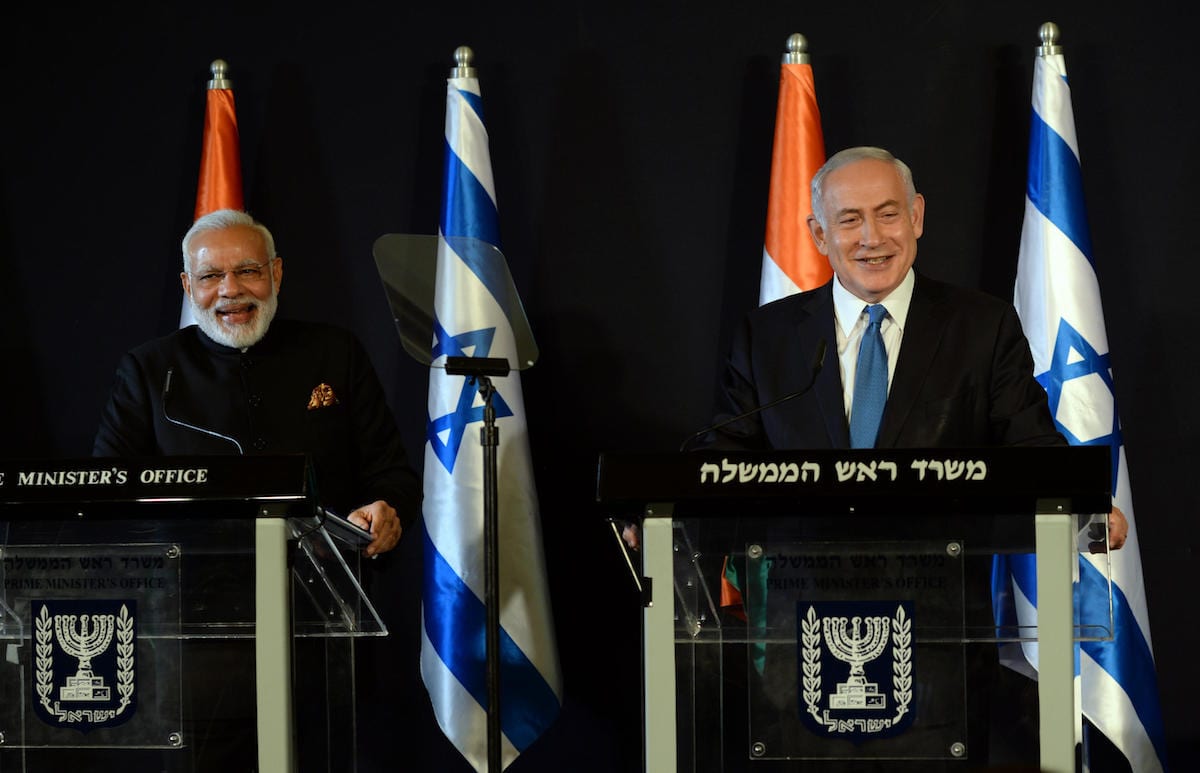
column 327, row 598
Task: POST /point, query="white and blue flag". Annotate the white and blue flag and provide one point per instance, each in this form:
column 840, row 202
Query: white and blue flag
column 1058, row 298
column 472, row 319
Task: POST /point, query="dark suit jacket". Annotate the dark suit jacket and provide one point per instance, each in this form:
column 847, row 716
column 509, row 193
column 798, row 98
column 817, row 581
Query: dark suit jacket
column 261, row 398
column 964, row 377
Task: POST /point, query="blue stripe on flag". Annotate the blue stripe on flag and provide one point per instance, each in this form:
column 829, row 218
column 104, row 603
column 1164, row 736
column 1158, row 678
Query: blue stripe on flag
column 1056, row 184
column 1127, row 658
column 455, row 622
column 467, row 209
column 1004, row 609
column 474, row 100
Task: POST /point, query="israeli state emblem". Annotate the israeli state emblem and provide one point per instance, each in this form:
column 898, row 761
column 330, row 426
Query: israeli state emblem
column 83, row 666
column 856, row 668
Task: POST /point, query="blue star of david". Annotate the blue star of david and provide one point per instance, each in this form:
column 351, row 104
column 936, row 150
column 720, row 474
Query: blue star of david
column 1062, row 370
column 479, row 342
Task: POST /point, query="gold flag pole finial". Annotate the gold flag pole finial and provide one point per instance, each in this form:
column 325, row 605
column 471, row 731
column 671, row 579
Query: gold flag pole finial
column 1048, row 33
column 797, row 49
column 463, row 63
column 219, row 69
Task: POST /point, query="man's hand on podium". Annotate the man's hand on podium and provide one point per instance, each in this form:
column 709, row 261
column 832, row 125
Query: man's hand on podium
column 632, row 536
column 1118, row 532
column 381, row 520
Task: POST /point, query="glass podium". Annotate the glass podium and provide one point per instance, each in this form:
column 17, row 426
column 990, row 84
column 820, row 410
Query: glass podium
column 839, row 609
column 178, row 614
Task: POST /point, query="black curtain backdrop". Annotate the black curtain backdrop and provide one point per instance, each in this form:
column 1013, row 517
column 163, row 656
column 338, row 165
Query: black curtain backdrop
column 631, row 147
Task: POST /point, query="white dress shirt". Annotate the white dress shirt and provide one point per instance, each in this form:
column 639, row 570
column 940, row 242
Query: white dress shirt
column 851, row 323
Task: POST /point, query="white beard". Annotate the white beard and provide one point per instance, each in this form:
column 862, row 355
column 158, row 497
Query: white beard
column 237, row 336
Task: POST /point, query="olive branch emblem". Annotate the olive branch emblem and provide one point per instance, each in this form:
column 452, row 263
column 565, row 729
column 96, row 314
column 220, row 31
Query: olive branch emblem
column 44, row 628
column 810, row 640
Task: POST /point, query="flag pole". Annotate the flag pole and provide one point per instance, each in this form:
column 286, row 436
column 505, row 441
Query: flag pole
column 219, row 69
column 1048, row 33
column 797, row 50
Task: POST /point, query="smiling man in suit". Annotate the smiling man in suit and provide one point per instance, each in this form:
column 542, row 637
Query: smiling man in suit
column 958, row 367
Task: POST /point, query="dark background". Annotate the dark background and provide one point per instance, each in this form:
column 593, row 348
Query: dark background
column 631, row 148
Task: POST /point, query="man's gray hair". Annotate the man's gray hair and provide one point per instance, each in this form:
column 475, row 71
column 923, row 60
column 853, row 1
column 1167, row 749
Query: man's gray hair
column 849, row 156
column 220, row 220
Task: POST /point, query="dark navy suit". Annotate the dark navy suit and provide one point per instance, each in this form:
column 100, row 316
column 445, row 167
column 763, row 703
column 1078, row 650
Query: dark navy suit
column 964, row 377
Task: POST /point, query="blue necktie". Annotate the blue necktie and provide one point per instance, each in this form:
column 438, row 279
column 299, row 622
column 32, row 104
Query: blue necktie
column 870, row 383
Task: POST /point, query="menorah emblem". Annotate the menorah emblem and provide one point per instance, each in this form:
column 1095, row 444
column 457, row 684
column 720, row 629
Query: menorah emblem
column 84, row 641
column 856, row 633
column 101, row 636
column 857, row 641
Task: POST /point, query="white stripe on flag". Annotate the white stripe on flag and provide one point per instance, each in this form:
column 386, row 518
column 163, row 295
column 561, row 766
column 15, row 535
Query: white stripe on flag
column 1052, row 98
column 775, row 284
column 1049, row 289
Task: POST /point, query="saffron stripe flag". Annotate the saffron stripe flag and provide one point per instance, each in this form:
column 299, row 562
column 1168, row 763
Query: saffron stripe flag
column 1058, row 298
column 220, row 183
column 791, row 263
column 472, row 319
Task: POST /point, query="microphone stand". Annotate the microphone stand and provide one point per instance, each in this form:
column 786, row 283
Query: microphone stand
column 481, row 369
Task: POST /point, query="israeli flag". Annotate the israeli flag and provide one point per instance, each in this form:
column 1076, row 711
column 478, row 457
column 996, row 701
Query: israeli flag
column 471, row 321
column 1058, row 298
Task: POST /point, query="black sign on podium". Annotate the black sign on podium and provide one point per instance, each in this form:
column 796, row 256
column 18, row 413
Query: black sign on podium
column 170, row 613
column 829, row 606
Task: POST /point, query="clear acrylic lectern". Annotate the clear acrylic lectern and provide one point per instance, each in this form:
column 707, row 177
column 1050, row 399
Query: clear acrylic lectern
column 177, row 613
column 835, row 609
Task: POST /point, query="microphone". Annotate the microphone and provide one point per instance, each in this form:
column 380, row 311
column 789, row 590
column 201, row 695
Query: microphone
column 166, row 392
column 815, row 370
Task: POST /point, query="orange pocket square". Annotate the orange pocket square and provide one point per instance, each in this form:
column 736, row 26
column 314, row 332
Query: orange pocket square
column 322, row 397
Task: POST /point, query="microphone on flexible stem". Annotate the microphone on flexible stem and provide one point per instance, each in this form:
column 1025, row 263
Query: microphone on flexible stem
column 166, row 392
column 815, row 370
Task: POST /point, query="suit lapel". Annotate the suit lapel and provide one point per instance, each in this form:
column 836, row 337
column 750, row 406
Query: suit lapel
column 816, row 420
column 922, row 336
column 830, row 402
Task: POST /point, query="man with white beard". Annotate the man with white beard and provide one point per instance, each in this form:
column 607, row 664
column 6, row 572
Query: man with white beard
column 242, row 382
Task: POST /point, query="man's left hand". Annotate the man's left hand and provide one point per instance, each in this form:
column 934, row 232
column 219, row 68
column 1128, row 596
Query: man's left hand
column 380, row 519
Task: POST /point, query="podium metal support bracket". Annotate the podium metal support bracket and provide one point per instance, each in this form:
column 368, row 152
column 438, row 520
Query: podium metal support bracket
column 273, row 645
column 1057, row 709
column 658, row 643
